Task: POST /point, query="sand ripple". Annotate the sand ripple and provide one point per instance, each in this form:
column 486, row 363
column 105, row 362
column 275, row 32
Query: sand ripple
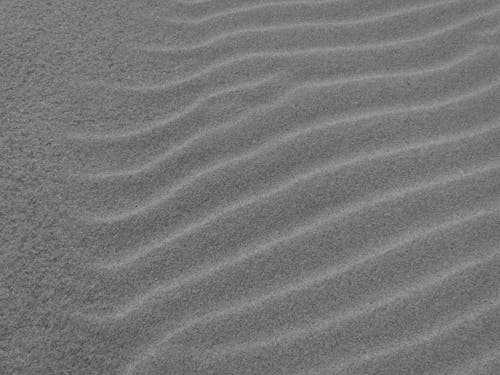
column 316, row 191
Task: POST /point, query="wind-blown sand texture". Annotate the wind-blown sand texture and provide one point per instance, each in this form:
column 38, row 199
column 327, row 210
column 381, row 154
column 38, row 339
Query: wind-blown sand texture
column 259, row 187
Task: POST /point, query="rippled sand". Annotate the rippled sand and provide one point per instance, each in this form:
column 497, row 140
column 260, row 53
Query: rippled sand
column 264, row 187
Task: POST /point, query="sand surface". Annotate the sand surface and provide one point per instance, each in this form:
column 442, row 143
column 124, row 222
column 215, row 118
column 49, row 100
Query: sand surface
column 250, row 187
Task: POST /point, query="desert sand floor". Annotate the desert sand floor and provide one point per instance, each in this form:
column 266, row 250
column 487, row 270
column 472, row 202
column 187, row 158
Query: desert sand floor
column 250, row 187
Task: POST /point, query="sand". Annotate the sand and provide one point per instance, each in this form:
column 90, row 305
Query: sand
column 250, row 187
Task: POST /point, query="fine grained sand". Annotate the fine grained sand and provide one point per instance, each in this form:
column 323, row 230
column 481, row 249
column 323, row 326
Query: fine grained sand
column 250, row 187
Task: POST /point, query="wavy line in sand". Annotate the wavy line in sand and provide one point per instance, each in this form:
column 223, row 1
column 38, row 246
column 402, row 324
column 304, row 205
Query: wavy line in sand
column 378, row 16
column 294, row 53
column 385, row 351
column 130, row 259
column 314, row 278
column 455, row 61
column 269, row 146
column 421, row 286
column 358, row 47
column 365, row 21
column 281, row 4
column 372, row 112
column 350, row 209
column 255, row 83
column 429, row 336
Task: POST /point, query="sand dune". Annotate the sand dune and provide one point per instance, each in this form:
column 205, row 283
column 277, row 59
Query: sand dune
column 314, row 190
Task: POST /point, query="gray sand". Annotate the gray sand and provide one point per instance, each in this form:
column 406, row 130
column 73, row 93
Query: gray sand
column 251, row 187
